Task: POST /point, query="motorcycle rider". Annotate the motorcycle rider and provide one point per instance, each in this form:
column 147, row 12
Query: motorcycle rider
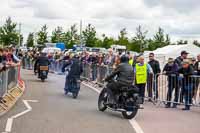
column 74, row 72
column 124, row 77
column 42, row 60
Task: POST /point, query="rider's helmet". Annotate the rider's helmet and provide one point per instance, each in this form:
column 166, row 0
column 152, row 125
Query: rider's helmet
column 124, row 59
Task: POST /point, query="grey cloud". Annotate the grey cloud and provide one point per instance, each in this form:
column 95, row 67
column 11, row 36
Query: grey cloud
column 182, row 6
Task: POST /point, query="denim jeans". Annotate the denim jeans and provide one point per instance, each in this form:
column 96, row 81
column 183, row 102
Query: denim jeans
column 188, row 94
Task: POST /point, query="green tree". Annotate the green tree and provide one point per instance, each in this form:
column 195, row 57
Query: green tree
column 30, row 40
column 196, row 42
column 107, row 41
column 122, row 38
column 57, row 35
column 8, row 33
column 160, row 39
column 42, row 35
column 71, row 37
column 181, row 42
column 139, row 42
column 89, row 36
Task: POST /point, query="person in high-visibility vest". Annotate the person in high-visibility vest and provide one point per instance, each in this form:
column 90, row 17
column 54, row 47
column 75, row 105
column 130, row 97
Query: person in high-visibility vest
column 141, row 71
column 131, row 61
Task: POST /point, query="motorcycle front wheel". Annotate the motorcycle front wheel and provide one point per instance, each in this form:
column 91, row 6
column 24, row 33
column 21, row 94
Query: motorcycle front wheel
column 102, row 100
column 129, row 114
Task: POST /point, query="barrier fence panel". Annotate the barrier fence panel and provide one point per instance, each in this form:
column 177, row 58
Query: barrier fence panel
column 101, row 73
column 168, row 89
column 8, row 79
column 12, row 77
column 175, row 89
column 3, row 87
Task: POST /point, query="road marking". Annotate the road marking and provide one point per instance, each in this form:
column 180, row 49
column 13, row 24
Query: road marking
column 133, row 122
column 10, row 120
column 136, row 126
column 93, row 88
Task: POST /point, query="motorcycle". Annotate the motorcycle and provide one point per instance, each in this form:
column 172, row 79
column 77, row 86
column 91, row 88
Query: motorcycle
column 127, row 101
column 43, row 72
column 73, row 87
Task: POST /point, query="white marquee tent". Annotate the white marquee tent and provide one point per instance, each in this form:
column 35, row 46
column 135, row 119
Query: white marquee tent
column 173, row 51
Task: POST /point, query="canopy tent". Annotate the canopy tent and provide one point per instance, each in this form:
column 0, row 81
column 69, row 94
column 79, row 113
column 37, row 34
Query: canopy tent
column 174, row 51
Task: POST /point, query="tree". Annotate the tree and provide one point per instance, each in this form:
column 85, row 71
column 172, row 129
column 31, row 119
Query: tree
column 139, row 41
column 122, row 38
column 30, row 40
column 159, row 40
column 57, row 35
column 107, row 41
column 181, row 42
column 71, row 37
column 8, row 33
column 42, row 35
column 89, row 36
column 196, row 42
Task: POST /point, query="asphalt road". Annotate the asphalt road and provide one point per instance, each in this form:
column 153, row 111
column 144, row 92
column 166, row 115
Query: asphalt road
column 57, row 113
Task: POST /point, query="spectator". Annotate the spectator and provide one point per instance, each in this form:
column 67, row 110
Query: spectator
column 180, row 59
column 186, row 70
column 141, row 71
column 117, row 61
column 110, row 60
column 93, row 60
column 197, row 79
column 197, row 65
column 2, row 58
column 171, row 70
column 153, row 79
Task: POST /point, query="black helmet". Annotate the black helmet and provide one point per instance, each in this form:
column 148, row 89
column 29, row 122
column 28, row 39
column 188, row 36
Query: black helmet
column 124, row 59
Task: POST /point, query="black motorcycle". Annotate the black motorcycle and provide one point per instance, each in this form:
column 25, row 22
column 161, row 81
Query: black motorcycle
column 43, row 72
column 128, row 101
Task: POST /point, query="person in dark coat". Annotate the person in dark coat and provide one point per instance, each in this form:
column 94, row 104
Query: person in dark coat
column 179, row 61
column 155, row 65
column 187, row 83
column 171, row 70
column 42, row 60
column 74, row 70
column 124, row 77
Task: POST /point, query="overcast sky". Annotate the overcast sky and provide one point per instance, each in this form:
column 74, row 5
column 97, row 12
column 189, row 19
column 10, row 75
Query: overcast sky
column 179, row 18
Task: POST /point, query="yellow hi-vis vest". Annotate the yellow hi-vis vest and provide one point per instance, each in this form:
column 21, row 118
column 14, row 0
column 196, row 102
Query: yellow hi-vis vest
column 130, row 62
column 141, row 74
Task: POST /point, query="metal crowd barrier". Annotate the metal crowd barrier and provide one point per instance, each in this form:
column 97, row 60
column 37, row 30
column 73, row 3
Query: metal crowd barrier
column 8, row 79
column 174, row 89
column 165, row 89
column 95, row 72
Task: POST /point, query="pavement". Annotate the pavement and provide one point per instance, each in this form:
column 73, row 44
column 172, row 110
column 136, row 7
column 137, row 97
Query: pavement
column 56, row 113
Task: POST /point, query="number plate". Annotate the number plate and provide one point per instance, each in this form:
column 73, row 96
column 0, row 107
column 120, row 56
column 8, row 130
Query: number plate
column 44, row 68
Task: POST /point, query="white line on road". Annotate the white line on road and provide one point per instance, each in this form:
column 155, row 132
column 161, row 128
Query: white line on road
column 10, row 120
column 133, row 122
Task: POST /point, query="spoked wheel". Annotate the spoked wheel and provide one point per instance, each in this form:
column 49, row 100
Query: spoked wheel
column 102, row 100
column 129, row 114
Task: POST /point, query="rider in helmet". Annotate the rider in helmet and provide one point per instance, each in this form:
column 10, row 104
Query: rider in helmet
column 124, row 77
column 42, row 60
